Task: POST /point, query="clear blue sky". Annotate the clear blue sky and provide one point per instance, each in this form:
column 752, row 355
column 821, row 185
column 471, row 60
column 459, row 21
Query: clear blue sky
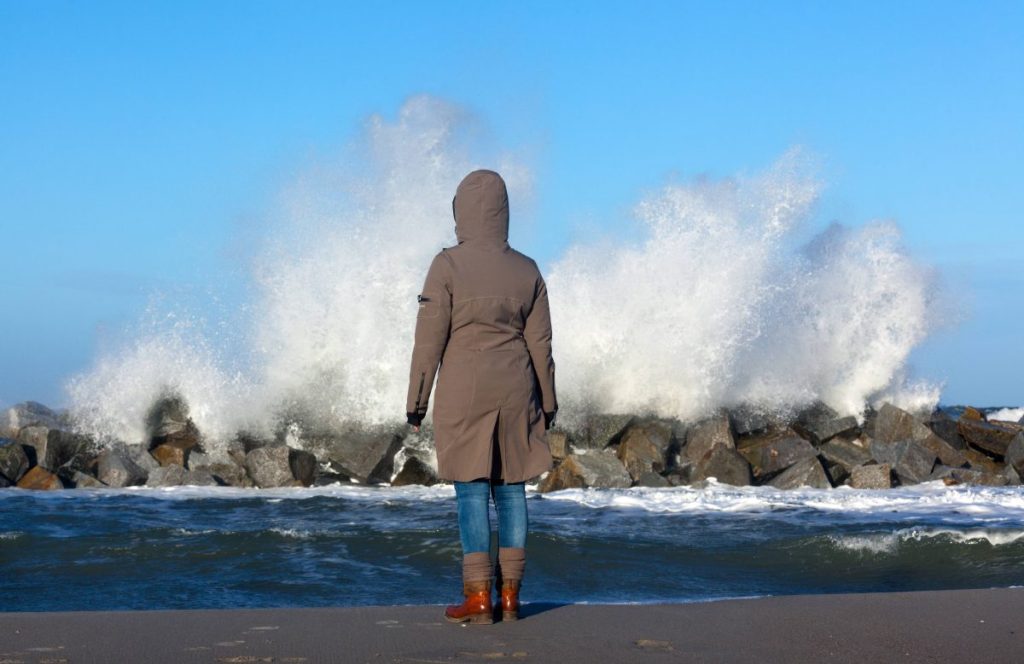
column 134, row 136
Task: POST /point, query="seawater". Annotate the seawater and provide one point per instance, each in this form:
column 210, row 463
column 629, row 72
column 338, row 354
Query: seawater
column 347, row 545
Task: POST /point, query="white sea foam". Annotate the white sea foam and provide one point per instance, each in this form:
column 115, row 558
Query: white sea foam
column 926, row 499
column 1007, row 414
column 11, row 535
column 717, row 304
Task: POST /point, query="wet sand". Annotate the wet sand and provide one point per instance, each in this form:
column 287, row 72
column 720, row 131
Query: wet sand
column 930, row 626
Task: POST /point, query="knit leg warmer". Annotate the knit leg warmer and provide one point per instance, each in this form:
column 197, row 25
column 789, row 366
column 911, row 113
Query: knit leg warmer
column 513, row 562
column 476, row 567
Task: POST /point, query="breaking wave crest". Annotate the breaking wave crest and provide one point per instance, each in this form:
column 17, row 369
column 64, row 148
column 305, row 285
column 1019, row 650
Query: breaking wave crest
column 718, row 304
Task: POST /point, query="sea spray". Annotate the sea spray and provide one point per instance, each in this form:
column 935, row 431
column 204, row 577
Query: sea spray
column 328, row 331
column 717, row 305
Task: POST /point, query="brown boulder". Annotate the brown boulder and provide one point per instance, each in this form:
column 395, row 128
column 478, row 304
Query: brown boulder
column 946, row 453
column 773, row 452
column 167, row 455
column 987, row 436
column 643, row 449
column 597, row 468
column 979, row 461
column 706, row 434
column 972, row 414
column 723, row 463
column 415, row 471
column 968, row 476
column 39, row 479
column 168, row 423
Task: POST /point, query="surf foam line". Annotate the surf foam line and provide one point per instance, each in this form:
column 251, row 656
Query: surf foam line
column 879, row 543
column 721, row 300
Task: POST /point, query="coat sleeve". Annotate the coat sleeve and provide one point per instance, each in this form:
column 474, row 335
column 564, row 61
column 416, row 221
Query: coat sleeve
column 433, row 324
column 538, row 340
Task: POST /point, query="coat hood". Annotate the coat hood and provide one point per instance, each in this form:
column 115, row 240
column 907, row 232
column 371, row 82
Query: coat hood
column 481, row 208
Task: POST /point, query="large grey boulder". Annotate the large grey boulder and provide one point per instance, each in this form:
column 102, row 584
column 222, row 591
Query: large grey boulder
column 773, row 452
column 599, row 430
column 846, row 452
column 1015, row 454
column 819, row 423
column 114, row 468
column 35, row 438
column 910, row 460
column 200, row 477
column 229, row 473
column 747, row 420
column 140, row 456
column 806, row 472
column 67, row 452
column 644, row 448
column 14, row 462
column 415, row 471
column 366, row 455
column 873, row 476
column 946, row 428
column 172, row 475
column 597, row 468
column 168, row 423
column 269, row 466
column 893, row 424
column 706, row 434
column 196, row 460
column 27, row 414
column 85, row 481
column 723, row 463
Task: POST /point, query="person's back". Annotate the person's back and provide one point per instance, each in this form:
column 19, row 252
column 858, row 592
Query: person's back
column 484, row 319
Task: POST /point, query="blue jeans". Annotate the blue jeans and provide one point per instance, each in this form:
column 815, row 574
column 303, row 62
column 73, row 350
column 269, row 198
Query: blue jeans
column 475, row 519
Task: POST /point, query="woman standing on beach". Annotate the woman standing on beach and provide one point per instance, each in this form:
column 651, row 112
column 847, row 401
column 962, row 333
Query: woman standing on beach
column 484, row 318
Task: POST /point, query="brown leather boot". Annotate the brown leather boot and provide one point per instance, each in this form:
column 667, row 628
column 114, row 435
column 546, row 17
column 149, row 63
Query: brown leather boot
column 477, row 608
column 510, row 599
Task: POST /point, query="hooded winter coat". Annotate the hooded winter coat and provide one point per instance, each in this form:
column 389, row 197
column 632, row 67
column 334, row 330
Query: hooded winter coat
column 484, row 319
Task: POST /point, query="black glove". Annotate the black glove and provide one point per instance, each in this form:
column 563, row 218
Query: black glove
column 549, row 419
column 414, row 418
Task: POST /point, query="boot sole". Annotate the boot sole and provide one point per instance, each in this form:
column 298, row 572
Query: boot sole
column 478, row 619
column 509, row 616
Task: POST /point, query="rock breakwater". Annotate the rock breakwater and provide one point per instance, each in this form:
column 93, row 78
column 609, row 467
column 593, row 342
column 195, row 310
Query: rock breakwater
column 41, row 450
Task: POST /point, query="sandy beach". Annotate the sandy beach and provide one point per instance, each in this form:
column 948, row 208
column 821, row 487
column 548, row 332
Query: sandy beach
column 929, row 626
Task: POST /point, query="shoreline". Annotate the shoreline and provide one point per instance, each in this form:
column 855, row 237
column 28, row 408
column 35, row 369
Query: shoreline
column 920, row 626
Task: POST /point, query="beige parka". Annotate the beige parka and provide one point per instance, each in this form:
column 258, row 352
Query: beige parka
column 484, row 318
